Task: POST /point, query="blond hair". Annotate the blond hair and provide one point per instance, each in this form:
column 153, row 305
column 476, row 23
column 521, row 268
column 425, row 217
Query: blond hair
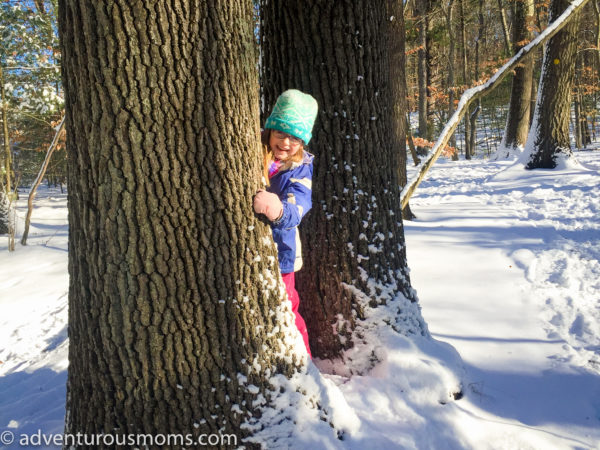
column 268, row 156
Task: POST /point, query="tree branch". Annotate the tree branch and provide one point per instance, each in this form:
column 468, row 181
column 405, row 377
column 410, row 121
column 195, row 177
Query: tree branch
column 474, row 93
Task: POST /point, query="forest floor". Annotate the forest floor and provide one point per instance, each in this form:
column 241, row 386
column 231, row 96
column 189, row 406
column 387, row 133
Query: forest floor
column 506, row 266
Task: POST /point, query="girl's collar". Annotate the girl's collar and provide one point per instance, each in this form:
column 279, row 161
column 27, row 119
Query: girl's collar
column 307, row 159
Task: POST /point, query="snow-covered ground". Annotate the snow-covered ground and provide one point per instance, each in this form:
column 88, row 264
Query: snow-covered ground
column 506, row 265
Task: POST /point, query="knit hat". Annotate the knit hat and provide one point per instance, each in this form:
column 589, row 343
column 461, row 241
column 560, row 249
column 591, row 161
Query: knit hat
column 294, row 113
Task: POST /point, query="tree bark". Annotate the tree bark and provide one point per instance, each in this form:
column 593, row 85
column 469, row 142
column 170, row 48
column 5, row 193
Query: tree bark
column 10, row 196
column 549, row 136
column 583, row 132
column 596, row 4
column 399, row 90
column 463, row 42
column 533, row 100
column 519, row 110
column 176, row 313
column 577, row 127
column 4, row 210
column 451, row 83
column 478, row 56
column 422, row 71
column 411, row 144
column 353, row 238
column 505, row 32
column 6, row 139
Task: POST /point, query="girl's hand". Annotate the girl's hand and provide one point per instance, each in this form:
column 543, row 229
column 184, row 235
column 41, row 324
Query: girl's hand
column 268, row 204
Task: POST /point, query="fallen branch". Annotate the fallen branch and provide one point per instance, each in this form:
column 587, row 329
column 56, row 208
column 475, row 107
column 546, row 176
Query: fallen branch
column 474, row 93
column 39, row 179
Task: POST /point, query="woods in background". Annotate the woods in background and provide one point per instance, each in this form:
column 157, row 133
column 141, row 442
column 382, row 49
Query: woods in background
column 465, row 41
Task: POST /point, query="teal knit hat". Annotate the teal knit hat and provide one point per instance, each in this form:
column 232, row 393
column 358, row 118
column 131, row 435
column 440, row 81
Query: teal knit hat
column 294, row 113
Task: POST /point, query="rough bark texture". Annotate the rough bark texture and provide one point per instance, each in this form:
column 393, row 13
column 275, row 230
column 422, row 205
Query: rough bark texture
column 354, row 231
column 519, row 110
column 173, row 282
column 551, row 127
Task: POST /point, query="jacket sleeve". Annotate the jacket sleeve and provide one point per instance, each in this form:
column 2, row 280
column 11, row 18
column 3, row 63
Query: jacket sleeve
column 296, row 198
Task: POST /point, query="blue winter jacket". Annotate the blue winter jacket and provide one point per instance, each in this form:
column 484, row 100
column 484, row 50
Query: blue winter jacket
column 294, row 188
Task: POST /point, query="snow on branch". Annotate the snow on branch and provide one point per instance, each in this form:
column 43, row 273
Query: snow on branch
column 472, row 94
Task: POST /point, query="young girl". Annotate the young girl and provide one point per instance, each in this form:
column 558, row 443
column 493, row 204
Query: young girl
column 288, row 169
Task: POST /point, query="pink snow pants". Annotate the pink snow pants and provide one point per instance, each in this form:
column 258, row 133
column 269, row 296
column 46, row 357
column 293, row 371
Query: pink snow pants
column 290, row 286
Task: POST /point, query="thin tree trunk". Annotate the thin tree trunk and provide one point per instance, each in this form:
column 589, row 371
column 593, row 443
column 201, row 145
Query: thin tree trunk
column 533, row 101
column 578, row 125
column 399, row 90
column 422, row 71
column 4, row 209
column 520, row 107
column 6, row 141
column 39, row 179
column 451, row 83
column 577, row 106
column 10, row 195
column 596, row 4
column 463, row 41
column 505, row 32
column 411, row 144
column 478, row 52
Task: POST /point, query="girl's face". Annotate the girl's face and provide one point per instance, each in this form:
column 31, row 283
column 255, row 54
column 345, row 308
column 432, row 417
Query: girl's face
column 284, row 145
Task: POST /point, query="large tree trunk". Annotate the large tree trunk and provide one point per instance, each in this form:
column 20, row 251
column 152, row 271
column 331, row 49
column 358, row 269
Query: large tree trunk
column 353, row 238
column 549, row 136
column 519, row 110
column 174, row 291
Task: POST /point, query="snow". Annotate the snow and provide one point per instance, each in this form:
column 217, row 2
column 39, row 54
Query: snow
column 506, row 265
